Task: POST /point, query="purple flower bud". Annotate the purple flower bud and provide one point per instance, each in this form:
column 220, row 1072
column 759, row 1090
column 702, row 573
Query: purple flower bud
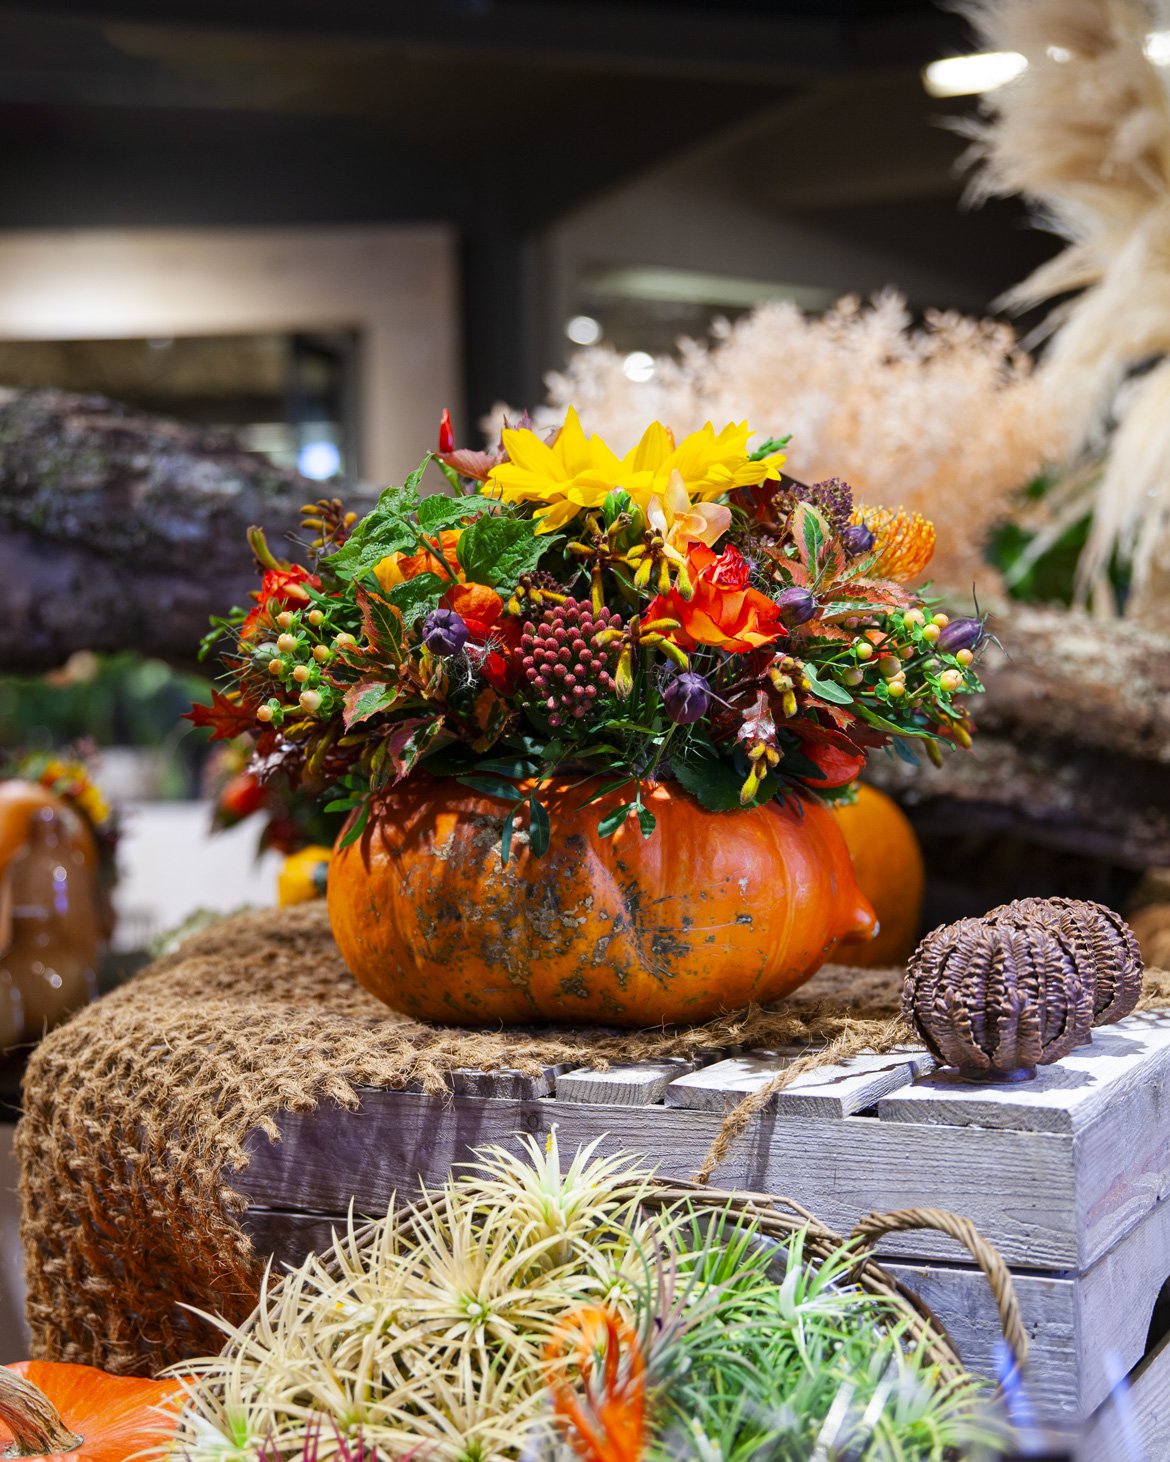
column 444, row 632
column 796, row 605
column 686, row 698
column 857, row 539
column 961, row 634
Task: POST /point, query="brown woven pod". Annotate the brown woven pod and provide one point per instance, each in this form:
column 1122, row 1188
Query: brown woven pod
column 997, row 999
column 1105, row 947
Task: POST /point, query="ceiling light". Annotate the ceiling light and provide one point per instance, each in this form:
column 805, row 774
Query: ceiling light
column 583, row 330
column 319, row 461
column 1157, row 47
column 967, row 75
column 638, row 366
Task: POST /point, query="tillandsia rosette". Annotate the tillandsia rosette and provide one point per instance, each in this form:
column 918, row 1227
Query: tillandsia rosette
column 684, row 612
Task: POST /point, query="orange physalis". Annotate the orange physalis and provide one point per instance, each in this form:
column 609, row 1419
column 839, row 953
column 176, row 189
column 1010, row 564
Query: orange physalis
column 903, row 542
column 597, row 1376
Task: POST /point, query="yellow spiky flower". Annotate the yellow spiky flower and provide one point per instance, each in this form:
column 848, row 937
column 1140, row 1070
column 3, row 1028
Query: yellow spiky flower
column 903, row 542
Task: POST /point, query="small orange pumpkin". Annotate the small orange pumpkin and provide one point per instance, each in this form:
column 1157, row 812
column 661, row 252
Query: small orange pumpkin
column 887, row 862
column 65, row 1413
column 713, row 911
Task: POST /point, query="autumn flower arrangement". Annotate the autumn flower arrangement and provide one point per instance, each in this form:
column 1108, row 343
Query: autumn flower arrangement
column 685, row 612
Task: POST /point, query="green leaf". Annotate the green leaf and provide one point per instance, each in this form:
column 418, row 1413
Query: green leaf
column 356, row 828
column 773, row 444
column 418, row 596
column 506, row 836
column 516, row 768
column 539, row 828
column 387, row 528
column 382, row 625
column 367, row 698
column 610, row 823
column 605, row 791
column 879, row 721
column 646, row 821
column 496, row 551
column 492, row 787
column 828, row 690
column 440, row 511
column 811, row 531
column 712, row 782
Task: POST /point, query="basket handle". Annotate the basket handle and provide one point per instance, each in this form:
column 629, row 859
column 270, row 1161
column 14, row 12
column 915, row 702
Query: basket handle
column 877, row 1225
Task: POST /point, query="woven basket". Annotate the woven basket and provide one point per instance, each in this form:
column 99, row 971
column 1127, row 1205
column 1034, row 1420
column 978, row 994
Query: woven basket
column 779, row 1219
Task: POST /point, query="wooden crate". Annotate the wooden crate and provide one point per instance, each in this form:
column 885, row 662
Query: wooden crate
column 1066, row 1174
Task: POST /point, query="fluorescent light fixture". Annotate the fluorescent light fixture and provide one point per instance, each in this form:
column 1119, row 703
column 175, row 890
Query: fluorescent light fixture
column 968, row 75
column 638, row 366
column 583, row 330
column 1157, row 47
column 689, row 287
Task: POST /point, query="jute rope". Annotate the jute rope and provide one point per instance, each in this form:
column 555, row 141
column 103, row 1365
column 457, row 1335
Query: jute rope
column 136, row 1114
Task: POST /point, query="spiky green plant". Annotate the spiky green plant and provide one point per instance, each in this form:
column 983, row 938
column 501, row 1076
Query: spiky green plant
column 428, row 1335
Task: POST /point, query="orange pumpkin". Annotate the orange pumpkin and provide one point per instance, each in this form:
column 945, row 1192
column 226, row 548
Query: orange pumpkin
column 711, row 912
column 887, row 862
column 63, row 1413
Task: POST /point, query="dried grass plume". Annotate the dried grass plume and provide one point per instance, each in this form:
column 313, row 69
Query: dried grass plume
column 941, row 419
column 1084, row 135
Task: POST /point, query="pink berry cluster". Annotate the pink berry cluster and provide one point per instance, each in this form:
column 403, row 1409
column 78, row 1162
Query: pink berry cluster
column 562, row 661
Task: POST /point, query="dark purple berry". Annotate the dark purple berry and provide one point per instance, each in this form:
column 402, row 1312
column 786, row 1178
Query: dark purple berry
column 797, row 605
column 961, row 634
column 444, row 632
column 687, row 698
column 857, row 539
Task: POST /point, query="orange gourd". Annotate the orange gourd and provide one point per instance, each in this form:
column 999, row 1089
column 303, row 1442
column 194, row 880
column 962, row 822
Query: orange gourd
column 887, row 862
column 713, row 911
column 303, row 875
column 50, row 911
column 64, row 1413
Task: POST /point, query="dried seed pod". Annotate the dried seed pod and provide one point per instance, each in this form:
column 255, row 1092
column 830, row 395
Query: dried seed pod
column 996, row 999
column 1105, row 947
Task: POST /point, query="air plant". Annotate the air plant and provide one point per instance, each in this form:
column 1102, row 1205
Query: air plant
column 518, row 1312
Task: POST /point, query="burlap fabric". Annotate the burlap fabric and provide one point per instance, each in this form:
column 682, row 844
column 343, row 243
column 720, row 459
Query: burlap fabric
column 136, row 1113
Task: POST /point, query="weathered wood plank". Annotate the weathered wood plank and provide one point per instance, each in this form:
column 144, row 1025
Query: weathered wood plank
column 1115, row 1299
column 720, row 1087
column 1136, row 1423
column 830, row 1091
column 1017, row 1187
column 635, row 1085
column 1064, row 1097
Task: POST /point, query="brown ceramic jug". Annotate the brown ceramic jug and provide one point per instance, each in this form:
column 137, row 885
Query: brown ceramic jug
column 50, row 936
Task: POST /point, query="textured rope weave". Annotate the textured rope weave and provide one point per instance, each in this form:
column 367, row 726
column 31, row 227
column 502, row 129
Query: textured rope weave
column 136, row 1114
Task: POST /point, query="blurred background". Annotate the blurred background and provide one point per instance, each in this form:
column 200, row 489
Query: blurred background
column 316, row 226
column 311, row 227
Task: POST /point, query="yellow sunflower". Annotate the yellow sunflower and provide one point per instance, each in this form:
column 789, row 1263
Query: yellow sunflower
column 577, row 471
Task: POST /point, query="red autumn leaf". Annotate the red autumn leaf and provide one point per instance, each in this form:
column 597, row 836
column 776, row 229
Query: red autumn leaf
column 840, row 760
column 227, row 717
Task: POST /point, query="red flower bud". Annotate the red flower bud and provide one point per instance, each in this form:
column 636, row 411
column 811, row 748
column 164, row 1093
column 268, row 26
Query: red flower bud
column 446, row 432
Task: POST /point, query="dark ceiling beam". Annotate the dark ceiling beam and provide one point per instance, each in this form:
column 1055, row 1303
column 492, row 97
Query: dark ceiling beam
column 603, row 36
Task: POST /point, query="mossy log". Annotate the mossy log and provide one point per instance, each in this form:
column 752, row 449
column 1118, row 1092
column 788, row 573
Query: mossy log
column 1073, row 743
column 124, row 531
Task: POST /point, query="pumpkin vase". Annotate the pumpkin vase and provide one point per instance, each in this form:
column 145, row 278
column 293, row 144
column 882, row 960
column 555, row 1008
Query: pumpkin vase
column 715, row 910
column 888, row 866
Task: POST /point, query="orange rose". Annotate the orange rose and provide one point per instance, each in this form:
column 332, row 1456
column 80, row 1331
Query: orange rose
column 724, row 611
